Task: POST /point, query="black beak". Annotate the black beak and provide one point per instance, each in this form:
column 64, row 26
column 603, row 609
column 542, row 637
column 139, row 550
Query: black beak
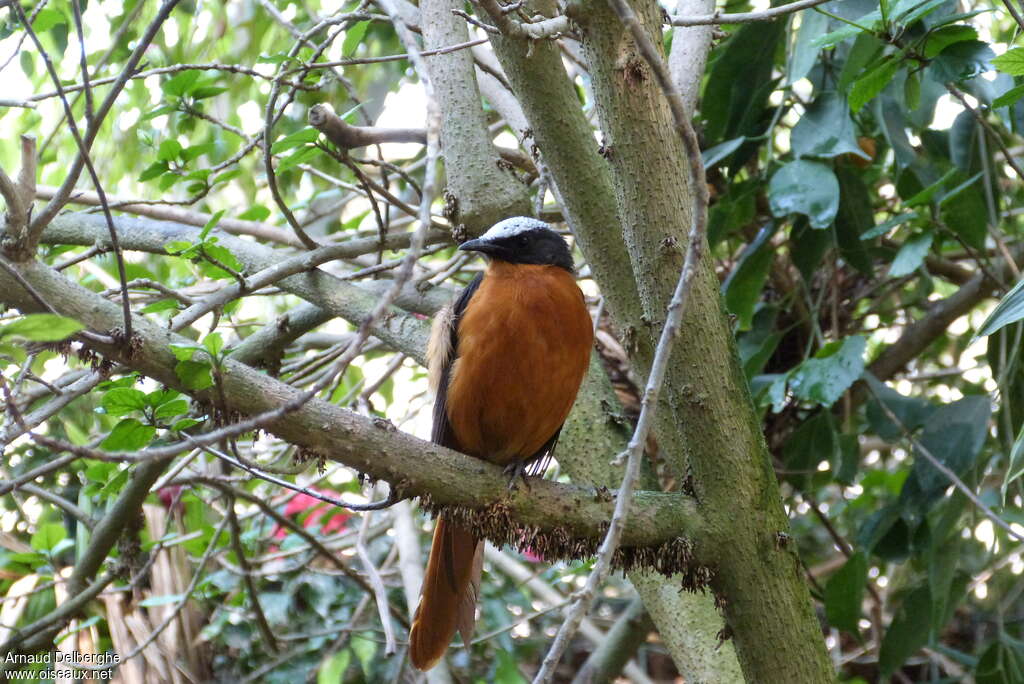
column 477, row 246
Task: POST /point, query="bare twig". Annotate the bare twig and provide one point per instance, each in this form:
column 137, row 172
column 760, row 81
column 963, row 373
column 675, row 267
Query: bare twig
column 347, row 136
column 945, row 470
column 380, row 592
column 745, row 17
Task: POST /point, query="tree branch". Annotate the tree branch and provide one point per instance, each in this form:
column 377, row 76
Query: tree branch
column 465, row 488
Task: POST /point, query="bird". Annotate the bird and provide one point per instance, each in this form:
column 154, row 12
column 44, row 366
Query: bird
column 505, row 362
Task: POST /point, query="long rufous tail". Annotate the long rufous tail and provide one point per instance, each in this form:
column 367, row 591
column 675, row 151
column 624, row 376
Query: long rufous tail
column 448, row 599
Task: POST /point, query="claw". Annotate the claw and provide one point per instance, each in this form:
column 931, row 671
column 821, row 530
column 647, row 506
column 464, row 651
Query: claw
column 514, row 471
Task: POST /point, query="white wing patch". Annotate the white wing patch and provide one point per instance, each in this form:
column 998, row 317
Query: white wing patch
column 439, row 347
column 513, row 226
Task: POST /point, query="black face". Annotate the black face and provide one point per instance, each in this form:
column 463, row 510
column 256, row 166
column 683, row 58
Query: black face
column 536, row 245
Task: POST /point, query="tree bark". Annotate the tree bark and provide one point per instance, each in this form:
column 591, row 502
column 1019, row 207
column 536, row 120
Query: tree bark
column 757, row 574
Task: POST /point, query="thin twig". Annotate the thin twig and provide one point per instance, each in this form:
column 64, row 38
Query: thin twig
column 745, row 17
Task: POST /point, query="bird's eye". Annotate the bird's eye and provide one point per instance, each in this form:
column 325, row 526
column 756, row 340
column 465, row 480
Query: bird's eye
column 523, row 241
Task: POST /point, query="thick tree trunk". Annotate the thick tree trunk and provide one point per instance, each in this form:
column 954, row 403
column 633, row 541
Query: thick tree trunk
column 757, row 575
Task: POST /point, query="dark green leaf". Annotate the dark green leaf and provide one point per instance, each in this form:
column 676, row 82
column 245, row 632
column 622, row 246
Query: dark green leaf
column 745, row 282
column 953, row 435
column 947, row 35
column 844, row 593
column 824, row 378
column 855, row 218
column 962, row 61
column 43, row 327
column 908, row 631
column 887, row 225
column 872, row 82
column 805, row 187
column 814, row 441
column 805, row 51
column 911, row 255
column 825, row 129
column 1010, row 309
column 128, row 435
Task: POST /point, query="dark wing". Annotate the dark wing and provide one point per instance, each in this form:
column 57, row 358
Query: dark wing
column 442, row 432
column 539, row 462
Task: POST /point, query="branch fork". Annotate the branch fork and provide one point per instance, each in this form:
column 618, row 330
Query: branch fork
column 19, row 196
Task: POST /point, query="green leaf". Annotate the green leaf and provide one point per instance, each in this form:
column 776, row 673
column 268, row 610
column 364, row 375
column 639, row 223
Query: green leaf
column 954, row 435
column 805, row 50
column 28, row 66
column 1002, row 662
column 854, row 219
column 161, row 305
column 157, row 168
column 1010, row 309
column 184, row 424
column 942, row 38
column 164, row 600
column 301, row 137
column 911, row 255
column 122, row 400
column 332, row 670
column 745, row 282
column 887, row 225
column 256, row 213
column 169, row 150
column 171, row 409
column 43, row 327
column 832, row 371
column 740, row 82
column 193, row 152
column 1010, row 62
column 1015, row 468
column 869, row 21
column 908, row 631
column 194, row 375
column 203, row 92
column 872, row 82
column 845, row 592
column 811, row 443
column 210, row 225
column 825, row 129
column 1009, row 97
column 213, row 343
column 300, row 156
column 48, row 536
column 805, row 187
column 46, row 19
column 912, row 91
column 184, row 352
column 181, row 84
column 962, row 61
column 719, row 152
column 912, row 412
column 128, row 435
column 354, row 36
column 365, row 651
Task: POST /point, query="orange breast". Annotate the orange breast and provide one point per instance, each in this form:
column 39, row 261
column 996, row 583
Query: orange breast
column 524, row 344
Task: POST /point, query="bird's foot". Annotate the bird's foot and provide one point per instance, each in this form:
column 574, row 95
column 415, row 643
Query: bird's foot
column 515, row 471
